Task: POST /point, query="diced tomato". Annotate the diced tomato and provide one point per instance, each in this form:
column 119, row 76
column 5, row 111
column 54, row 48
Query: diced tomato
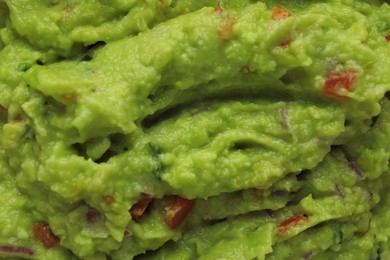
column 388, row 38
column 138, row 209
column 178, row 211
column 218, row 8
column 44, row 233
column 285, row 225
column 280, row 13
column 337, row 81
column 226, row 31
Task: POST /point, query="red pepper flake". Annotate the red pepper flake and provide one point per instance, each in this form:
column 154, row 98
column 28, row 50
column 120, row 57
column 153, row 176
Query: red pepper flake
column 226, row 31
column 290, row 222
column 388, row 38
column 280, row 13
column 16, row 250
column 338, row 81
column 218, row 8
column 178, row 211
column 138, row 209
column 44, row 233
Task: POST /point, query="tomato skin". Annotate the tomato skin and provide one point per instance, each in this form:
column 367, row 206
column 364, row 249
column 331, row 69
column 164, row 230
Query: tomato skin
column 178, row 211
column 290, row 222
column 388, row 38
column 337, row 81
column 44, row 233
column 280, row 13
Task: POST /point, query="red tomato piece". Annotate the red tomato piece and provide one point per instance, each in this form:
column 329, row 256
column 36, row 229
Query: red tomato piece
column 178, row 211
column 138, row 209
column 280, row 13
column 339, row 80
column 44, row 233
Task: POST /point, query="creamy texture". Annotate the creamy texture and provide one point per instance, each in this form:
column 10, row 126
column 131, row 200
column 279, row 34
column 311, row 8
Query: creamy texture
column 268, row 121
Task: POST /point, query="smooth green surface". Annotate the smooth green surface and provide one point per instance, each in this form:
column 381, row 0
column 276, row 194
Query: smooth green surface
column 103, row 101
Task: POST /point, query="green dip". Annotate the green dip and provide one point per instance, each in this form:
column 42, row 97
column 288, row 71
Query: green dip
column 188, row 129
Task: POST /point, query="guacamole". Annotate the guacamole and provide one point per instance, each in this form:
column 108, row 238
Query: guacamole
column 194, row 129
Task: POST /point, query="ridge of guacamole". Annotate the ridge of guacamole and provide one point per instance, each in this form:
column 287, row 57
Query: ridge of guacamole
column 194, row 129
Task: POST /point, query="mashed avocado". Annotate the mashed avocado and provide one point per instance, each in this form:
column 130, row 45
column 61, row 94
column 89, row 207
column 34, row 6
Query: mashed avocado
column 188, row 129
